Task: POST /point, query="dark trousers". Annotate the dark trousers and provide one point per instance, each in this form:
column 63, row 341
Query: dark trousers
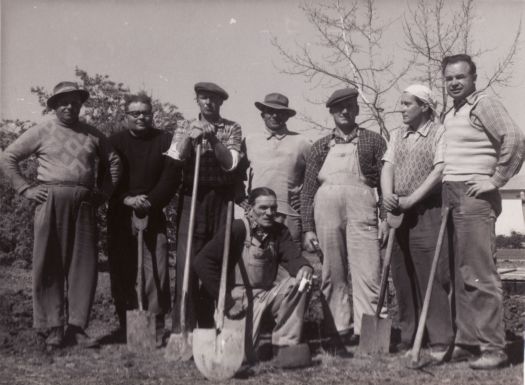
column 477, row 285
column 123, row 254
column 64, row 257
column 411, row 263
column 210, row 215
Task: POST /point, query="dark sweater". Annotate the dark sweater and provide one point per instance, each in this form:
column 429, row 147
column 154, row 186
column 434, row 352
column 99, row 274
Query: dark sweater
column 145, row 169
column 208, row 262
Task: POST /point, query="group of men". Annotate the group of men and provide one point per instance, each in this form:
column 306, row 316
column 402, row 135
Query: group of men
column 331, row 196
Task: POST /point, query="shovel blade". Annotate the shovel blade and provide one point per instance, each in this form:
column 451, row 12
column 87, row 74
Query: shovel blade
column 179, row 347
column 140, row 330
column 375, row 335
column 218, row 355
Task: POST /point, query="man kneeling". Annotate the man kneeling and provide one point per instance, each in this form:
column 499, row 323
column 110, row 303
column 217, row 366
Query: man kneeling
column 266, row 270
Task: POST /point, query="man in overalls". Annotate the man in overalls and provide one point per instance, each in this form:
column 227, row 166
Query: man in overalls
column 266, row 272
column 339, row 210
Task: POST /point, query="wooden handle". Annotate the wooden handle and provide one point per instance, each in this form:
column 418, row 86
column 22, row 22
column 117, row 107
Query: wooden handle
column 224, row 270
column 424, row 312
column 386, row 267
column 140, row 224
column 189, row 243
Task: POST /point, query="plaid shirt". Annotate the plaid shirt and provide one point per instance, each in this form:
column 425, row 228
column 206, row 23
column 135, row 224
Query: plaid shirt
column 488, row 113
column 211, row 174
column 370, row 149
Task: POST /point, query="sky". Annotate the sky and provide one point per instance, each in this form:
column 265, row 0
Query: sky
column 165, row 47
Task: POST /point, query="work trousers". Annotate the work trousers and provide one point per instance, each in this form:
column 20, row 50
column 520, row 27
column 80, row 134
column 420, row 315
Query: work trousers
column 412, row 256
column 210, row 215
column 346, row 226
column 123, row 258
column 287, row 306
column 477, row 285
column 64, row 257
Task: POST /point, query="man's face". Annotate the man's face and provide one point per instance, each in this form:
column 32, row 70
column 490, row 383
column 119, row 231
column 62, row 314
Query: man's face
column 209, row 104
column 345, row 112
column 459, row 81
column 274, row 119
column 67, row 108
column 264, row 210
column 139, row 116
column 411, row 111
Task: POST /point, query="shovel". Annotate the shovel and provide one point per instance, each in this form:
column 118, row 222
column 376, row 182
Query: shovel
column 140, row 324
column 415, row 363
column 375, row 331
column 179, row 344
column 219, row 352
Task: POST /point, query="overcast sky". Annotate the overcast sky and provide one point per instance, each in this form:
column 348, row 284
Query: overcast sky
column 164, row 47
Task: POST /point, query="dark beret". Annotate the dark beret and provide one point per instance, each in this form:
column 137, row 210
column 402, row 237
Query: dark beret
column 340, row 95
column 212, row 88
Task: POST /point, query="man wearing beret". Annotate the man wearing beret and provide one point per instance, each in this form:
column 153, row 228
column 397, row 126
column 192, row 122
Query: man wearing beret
column 218, row 177
column 339, row 210
column 75, row 160
column 277, row 159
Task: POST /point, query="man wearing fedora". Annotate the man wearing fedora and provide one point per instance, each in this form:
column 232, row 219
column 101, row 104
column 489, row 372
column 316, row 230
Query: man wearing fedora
column 339, row 209
column 218, row 180
column 76, row 169
column 277, row 159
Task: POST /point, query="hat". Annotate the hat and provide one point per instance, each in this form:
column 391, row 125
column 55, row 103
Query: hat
column 340, row 95
column 212, row 88
column 275, row 101
column 424, row 94
column 66, row 88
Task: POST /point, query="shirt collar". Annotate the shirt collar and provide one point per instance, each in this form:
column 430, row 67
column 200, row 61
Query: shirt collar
column 338, row 138
column 218, row 123
column 470, row 99
column 277, row 135
column 422, row 131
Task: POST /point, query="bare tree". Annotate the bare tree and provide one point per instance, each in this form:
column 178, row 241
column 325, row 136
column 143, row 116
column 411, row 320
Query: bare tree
column 437, row 28
column 348, row 51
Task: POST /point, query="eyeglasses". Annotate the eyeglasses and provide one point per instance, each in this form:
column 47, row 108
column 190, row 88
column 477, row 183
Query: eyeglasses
column 137, row 114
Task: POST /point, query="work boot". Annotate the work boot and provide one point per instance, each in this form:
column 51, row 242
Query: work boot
column 75, row 335
column 464, row 353
column 55, row 338
column 160, row 333
column 438, row 353
column 293, row 356
column 490, row 359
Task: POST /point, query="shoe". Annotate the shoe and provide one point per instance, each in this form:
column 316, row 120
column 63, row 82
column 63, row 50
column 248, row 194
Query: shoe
column 75, row 335
column 56, row 337
column 292, row 356
column 401, row 347
column 463, row 353
column 439, row 353
column 490, row 359
column 350, row 340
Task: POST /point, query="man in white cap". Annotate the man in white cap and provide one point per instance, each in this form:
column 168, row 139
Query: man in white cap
column 411, row 184
column 277, row 159
column 76, row 169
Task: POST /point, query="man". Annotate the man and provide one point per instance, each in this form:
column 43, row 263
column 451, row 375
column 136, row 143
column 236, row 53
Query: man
column 411, row 184
column 339, row 209
column 218, row 178
column 65, row 244
column 149, row 181
column 277, row 159
column 259, row 247
column 483, row 149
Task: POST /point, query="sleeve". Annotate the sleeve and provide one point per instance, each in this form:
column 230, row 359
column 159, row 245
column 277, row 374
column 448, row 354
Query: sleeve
column 233, row 139
column 181, row 132
column 493, row 116
column 24, row 146
column 290, row 253
column 310, row 186
column 110, row 167
column 389, row 155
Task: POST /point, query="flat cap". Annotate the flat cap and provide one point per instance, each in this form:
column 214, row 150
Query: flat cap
column 340, row 95
column 212, row 88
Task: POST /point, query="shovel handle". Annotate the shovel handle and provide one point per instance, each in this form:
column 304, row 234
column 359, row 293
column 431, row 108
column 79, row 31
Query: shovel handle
column 414, row 354
column 140, row 224
column 224, row 269
column 386, row 267
column 189, row 244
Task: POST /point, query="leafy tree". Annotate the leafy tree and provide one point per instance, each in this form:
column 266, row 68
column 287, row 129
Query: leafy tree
column 105, row 110
column 513, row 241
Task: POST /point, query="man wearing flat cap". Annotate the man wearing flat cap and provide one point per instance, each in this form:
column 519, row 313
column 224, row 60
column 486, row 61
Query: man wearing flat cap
column 411, row 183
column 218, row 177
column 277, row 159
column 339, row 210
column 76, row 168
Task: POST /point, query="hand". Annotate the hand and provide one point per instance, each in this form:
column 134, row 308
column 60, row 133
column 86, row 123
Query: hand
column 405, row 203
column 308, row 237
column 233, row 309
column 305, row 272
column 138, row 203
column 478, row 187
column 391, row 202
column 382, row 232
column 36, row 193
column 245, row 205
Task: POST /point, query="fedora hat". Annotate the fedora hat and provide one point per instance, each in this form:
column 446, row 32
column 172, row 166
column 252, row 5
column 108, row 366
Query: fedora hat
column 66, row 88
column 275, row 101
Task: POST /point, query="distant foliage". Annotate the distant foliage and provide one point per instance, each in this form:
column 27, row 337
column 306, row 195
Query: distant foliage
column 513, row 241
column 104, row 110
